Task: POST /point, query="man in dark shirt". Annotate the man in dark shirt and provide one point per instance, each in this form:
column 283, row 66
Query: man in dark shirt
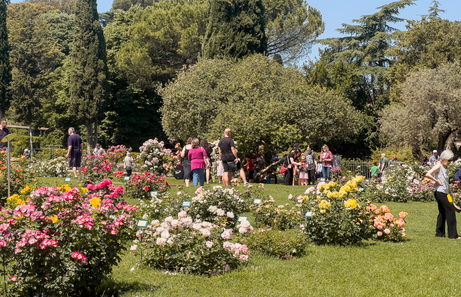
column 228, row 153
column 75, row 150
column 3, row 132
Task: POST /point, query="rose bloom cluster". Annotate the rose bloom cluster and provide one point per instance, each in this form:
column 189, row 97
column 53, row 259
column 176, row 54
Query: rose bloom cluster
column 154, row 157
column 174, row 244
column 140, row 185
column 386, row 226
column 53, row 227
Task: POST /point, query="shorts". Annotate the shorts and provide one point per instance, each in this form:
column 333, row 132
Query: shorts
column 303, row 175
column 75, row 161
column 226, row 167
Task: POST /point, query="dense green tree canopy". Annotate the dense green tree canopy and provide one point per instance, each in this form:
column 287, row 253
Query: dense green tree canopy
column 260, row 100
column 235, row 29
column 5, row 69
column 430, row 109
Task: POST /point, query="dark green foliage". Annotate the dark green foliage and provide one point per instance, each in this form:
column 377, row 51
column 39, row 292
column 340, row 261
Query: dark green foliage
column 89, row 88
column 434, row 10
column 60, row 30
column 5, row 69
column 127, row 4
column 235, row 29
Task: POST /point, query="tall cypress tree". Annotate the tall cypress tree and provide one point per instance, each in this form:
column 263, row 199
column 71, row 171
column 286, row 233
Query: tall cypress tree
column 89, row 84
column 434, row 10
column 5, row 69
column 235, row 29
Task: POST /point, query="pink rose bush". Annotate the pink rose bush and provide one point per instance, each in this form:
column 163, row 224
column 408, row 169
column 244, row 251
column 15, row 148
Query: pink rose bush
column 155, row 158
column 97, row 168
column 64, row 240
column 384, row 226
column 194, row 246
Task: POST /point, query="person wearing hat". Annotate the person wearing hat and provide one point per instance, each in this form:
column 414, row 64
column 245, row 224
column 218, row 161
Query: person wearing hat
column 434, row 158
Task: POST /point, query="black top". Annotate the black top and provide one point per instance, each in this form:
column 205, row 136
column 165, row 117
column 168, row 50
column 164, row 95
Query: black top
column 186, row 156
column 75, row 141
column 3, row 133
column 226, row 144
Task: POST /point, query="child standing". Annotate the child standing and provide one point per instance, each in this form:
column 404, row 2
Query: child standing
column 303, row 176
column 374, row 170
column 250, row 168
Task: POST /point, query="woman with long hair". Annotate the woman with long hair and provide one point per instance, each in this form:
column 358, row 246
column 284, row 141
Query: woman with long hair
column 326, row 157
column 197, row 157
column 186, row 161
column 291, row 164
column 206, row 146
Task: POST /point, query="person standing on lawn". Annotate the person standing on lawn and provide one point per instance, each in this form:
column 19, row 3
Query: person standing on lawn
column 383, row 165
column 445, row 198
column 290, row 164
column 374, row 170
column 227, row 154
column 197, row 157
column 3, row 132
column 186, row 161
column 326, row 157
column 128, row 164
column 74, row 152
column 311, row 161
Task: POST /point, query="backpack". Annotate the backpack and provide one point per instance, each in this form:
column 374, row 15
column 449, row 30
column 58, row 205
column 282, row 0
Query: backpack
column 457, row 174
column 285, row 160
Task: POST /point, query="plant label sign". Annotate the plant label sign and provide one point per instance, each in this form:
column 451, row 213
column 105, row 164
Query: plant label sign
column 308, row 214
column 361, row 189
column 142, row 223
column 257, row 201
column 242, row 218
column 67, row 180
column 186, row 204
column 126, row 178
column 381, row 186
column 416, row 182
column 153, row 194
column 322, row 179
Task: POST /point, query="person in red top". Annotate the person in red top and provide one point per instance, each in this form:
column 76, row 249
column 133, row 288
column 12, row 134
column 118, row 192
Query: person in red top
column 250, row 168
column 197, row 156
column 326, row 157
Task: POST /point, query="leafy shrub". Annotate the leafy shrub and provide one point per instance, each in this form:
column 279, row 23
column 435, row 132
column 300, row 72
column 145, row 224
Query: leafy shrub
column 278, row 244
column 64, row 241
column 154, row 157
column 385, row 226
column 56, row 167
column 19, row 174
column 99, row 167
column 281, row 217
column 141, row 185
column 197, row 247
column 213, row 205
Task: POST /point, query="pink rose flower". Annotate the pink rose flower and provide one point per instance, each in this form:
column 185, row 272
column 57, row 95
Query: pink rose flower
column 380, row 233
column 387, row 231
column 209, row 244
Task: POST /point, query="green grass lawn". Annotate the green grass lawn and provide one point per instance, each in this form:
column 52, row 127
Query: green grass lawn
column 421, row 266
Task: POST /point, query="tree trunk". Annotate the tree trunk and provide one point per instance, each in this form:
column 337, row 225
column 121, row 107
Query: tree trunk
column 442, row 140
column 416, row 152
column 1, row 114
column 96, row 130
column 31, row 142
column 450, row 142
column 89, row 137
column 264, row 174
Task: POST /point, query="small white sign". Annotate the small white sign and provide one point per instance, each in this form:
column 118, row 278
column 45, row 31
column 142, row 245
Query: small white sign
column 67, row 180
column 242, row 218
column 126, row 178
column 415, row 181
column 308, row 214
column 361, row 189
column 322, row 179
column 257, row 201
column 186, row 204
column 142, row 223
column 153, row 194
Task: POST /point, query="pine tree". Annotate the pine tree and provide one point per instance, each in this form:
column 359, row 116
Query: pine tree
column 434, row 10
column 5, row 69
column 89, row 89
column 235, row 29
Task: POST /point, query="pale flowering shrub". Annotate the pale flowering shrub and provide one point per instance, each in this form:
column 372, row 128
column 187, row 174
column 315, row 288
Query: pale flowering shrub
column 278, row 216
column 218, row 203
column 186, row 245
column 56, row 167
column 64, row 241
column 154, row 157
column 163, row 205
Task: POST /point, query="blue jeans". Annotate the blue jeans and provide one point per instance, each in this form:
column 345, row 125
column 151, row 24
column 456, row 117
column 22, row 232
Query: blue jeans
column 196, row 174
column 326, row 172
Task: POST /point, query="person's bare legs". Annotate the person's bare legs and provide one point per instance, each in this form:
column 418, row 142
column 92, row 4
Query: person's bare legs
column 225, row 179
column 295, row 171
column 74, row 169
column 187, row 183
column 208, row 175
column 243, row 176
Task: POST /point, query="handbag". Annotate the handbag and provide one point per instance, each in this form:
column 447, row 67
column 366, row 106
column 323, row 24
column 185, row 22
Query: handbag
column 179, row 171
column 232, row 166
column 206, row 160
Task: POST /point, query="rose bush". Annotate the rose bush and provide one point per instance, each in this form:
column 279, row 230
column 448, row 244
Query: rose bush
column 184, row 245
column 99, row 167
column 19, row 175
column 56, row 167
column 154, row 157
column 64, row 241
column 140, row 186
column 282, row 217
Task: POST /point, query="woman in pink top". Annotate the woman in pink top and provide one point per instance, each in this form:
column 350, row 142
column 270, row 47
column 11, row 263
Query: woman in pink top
column 196, row 156
column 326, row 157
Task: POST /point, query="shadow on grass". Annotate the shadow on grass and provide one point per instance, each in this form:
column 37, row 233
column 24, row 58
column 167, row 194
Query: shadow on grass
column 112, row 288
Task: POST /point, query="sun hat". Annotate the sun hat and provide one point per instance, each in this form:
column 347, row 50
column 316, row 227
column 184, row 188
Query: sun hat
column 434, row 151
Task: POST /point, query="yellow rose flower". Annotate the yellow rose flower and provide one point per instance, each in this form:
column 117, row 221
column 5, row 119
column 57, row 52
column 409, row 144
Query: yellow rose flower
column 96, row 202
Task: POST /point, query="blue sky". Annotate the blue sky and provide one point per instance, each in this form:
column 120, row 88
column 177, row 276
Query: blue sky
column 337, row 12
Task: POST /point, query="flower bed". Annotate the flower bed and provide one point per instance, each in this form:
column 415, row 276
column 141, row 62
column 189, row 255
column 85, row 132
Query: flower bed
column 185, row 245
column 56, row 167
column 64, row 240
column 154, row 157
column 19, row 174
column 141, row 185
